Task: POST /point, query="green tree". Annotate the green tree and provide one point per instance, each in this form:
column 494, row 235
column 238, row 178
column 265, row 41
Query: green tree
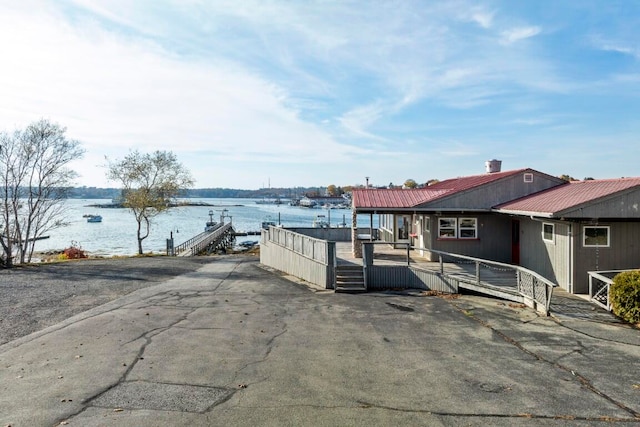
column 410, row 183
column 34, row 182
column 150, row 184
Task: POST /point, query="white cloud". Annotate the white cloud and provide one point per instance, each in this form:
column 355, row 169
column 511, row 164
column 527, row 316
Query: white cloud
column 484, row 19
column 617, row 46
column 116, row 94
column 520, row 33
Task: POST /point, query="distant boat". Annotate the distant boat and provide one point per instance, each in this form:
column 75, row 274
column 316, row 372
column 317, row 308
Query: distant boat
column 320, row 222
column 275, row 201
column 94, row 218
column 267, row 222
column 306, row 202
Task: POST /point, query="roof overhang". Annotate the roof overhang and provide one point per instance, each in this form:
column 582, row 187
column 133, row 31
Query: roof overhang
column 525, row 213
column 417, row 210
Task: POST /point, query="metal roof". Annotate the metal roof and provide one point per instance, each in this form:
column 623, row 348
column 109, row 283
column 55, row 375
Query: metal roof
column 454, row 185
column 558, row 199
column 392, row 198
column 374, row 198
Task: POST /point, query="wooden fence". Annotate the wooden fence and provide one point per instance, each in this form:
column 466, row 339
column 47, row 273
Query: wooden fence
column 301, row 256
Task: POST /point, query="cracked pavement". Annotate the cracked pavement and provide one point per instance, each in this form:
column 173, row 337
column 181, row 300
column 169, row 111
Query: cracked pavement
column 233, row 343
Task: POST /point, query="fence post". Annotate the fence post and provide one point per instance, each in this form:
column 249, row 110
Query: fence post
column 332, row 262
column 408, row 257
column 478, row 273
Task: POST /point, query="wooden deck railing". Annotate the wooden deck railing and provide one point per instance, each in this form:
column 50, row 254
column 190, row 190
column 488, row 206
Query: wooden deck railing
column 534, row 288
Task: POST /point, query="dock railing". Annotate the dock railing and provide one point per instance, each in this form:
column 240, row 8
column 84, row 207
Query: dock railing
column 200, row 242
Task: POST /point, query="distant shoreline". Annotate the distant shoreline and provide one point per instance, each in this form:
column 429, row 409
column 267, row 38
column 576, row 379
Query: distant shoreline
column 173, row 205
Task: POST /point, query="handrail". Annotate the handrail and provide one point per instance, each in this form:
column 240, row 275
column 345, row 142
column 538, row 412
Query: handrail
column 599, row 294
column 525, row 289
column 198, row 243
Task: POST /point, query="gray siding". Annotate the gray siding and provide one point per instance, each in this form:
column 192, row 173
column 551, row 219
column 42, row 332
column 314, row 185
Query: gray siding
column 493, row 242
column 550, row 260
column 626, row 205
column 495, row 193
column 624, row 253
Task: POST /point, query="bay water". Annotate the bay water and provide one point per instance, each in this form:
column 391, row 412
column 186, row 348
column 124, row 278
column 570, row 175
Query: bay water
column 116, row 234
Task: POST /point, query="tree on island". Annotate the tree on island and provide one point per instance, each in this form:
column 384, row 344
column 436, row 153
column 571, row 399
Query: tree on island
column 34, row 180
column 150, row 184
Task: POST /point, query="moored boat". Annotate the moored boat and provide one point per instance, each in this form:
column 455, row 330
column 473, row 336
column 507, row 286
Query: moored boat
column 94, row 218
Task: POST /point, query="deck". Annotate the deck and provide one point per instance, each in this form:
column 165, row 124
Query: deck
column 491, row 276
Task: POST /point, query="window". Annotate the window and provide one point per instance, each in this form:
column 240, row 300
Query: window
column 467, row 228
column 548, row 232
column 457, row 228
column 596, row 236
column 447, row 228
column 426, row 223
column 386, row 221
column 528, row 177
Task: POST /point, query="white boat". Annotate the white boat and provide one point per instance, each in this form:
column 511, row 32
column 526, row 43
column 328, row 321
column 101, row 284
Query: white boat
column 306, row 202
column 320, row 222
column 94, row 218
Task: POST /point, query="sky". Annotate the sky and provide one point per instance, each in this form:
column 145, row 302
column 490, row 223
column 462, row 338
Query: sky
column 268, row 93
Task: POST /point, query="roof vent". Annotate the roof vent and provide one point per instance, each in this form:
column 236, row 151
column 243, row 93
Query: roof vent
column 493, row 165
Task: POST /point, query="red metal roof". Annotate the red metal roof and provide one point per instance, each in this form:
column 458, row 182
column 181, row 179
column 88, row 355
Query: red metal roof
column 370, row 198
column 563, row 197
column 392, row 198
column 455, row 185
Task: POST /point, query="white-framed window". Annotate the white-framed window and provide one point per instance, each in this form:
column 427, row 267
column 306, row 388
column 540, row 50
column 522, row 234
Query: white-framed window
column 468, row 228
column 596, row 235
column 548, row 232
column 447, row 228
column 528, row 177
column 457, row 228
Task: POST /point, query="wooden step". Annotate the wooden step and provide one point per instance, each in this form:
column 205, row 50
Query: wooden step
column 350, row 279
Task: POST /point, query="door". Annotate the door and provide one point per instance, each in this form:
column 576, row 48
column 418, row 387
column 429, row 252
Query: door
column 515, row 241
column 403, row 228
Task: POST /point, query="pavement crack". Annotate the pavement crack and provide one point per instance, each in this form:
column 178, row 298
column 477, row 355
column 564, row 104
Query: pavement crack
column 584, row 381
column 366, row 405
column 595, row 337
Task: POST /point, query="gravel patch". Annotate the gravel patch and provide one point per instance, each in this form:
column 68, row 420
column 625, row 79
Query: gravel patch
column 37, row 296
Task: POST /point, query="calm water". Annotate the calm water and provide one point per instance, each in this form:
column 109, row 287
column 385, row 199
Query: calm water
column 116, row 234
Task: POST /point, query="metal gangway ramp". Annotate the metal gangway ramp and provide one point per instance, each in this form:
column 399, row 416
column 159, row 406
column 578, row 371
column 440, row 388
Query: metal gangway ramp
column 207, row 241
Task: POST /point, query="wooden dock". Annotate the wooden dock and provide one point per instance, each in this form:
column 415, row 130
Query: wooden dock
column 207, row 242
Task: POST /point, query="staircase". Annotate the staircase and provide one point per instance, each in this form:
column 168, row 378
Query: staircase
column 350, row 278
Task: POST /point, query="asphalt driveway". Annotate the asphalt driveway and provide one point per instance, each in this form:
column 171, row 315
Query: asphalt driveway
column 232, row 343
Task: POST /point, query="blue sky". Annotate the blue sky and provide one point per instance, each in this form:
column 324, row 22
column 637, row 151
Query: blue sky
column 312, row 93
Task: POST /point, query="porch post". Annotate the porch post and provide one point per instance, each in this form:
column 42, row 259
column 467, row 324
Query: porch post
column 356, row 244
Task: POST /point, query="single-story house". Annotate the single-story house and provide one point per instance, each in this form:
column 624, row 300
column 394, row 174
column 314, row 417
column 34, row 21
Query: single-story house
column 525, row 217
